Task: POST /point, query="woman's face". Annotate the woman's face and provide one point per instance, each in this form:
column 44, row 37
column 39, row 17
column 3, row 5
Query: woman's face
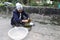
column 20, row 11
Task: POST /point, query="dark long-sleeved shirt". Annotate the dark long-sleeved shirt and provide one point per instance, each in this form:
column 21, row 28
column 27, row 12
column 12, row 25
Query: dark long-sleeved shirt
column 16, row 16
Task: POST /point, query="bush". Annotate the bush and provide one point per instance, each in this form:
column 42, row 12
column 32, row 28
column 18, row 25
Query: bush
column 1, row 4
column 55, row 4
column 33, row 4
column 10, row 5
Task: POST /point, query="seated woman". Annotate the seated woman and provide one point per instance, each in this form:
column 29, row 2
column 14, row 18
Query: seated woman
column 19, row 16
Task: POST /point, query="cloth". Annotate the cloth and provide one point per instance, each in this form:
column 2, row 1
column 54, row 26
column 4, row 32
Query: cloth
column 19, row 6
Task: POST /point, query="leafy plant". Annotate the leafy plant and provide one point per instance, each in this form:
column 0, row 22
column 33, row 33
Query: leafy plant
column 1, row 4
column 33, row 3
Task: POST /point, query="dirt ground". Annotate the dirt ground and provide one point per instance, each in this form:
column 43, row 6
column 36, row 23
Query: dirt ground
column 38, row 32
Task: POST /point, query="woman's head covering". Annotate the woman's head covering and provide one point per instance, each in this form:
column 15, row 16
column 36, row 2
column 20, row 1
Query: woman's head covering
column 19, row 6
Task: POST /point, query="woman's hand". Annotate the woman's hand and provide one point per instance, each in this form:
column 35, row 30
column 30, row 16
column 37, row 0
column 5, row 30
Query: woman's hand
column 24, row 20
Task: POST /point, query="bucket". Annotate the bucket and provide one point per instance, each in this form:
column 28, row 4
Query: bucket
column 18, row 33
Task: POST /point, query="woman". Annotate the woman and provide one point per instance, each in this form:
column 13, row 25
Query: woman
column 19, row 16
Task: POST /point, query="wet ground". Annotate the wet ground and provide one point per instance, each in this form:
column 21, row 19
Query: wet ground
column 46, row 28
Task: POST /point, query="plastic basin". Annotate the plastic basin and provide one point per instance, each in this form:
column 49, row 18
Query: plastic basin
column 18, row 33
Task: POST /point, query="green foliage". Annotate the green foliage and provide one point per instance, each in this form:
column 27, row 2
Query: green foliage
column 4, row 0
column 30, row 2
column 11, row 5
column 55, row 4
column 56, row 0
column 25, row 1
column 33, row 4
column 1, row 4
column 46, row 4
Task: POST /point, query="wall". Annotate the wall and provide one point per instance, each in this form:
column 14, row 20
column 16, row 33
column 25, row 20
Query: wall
column 30, row 9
